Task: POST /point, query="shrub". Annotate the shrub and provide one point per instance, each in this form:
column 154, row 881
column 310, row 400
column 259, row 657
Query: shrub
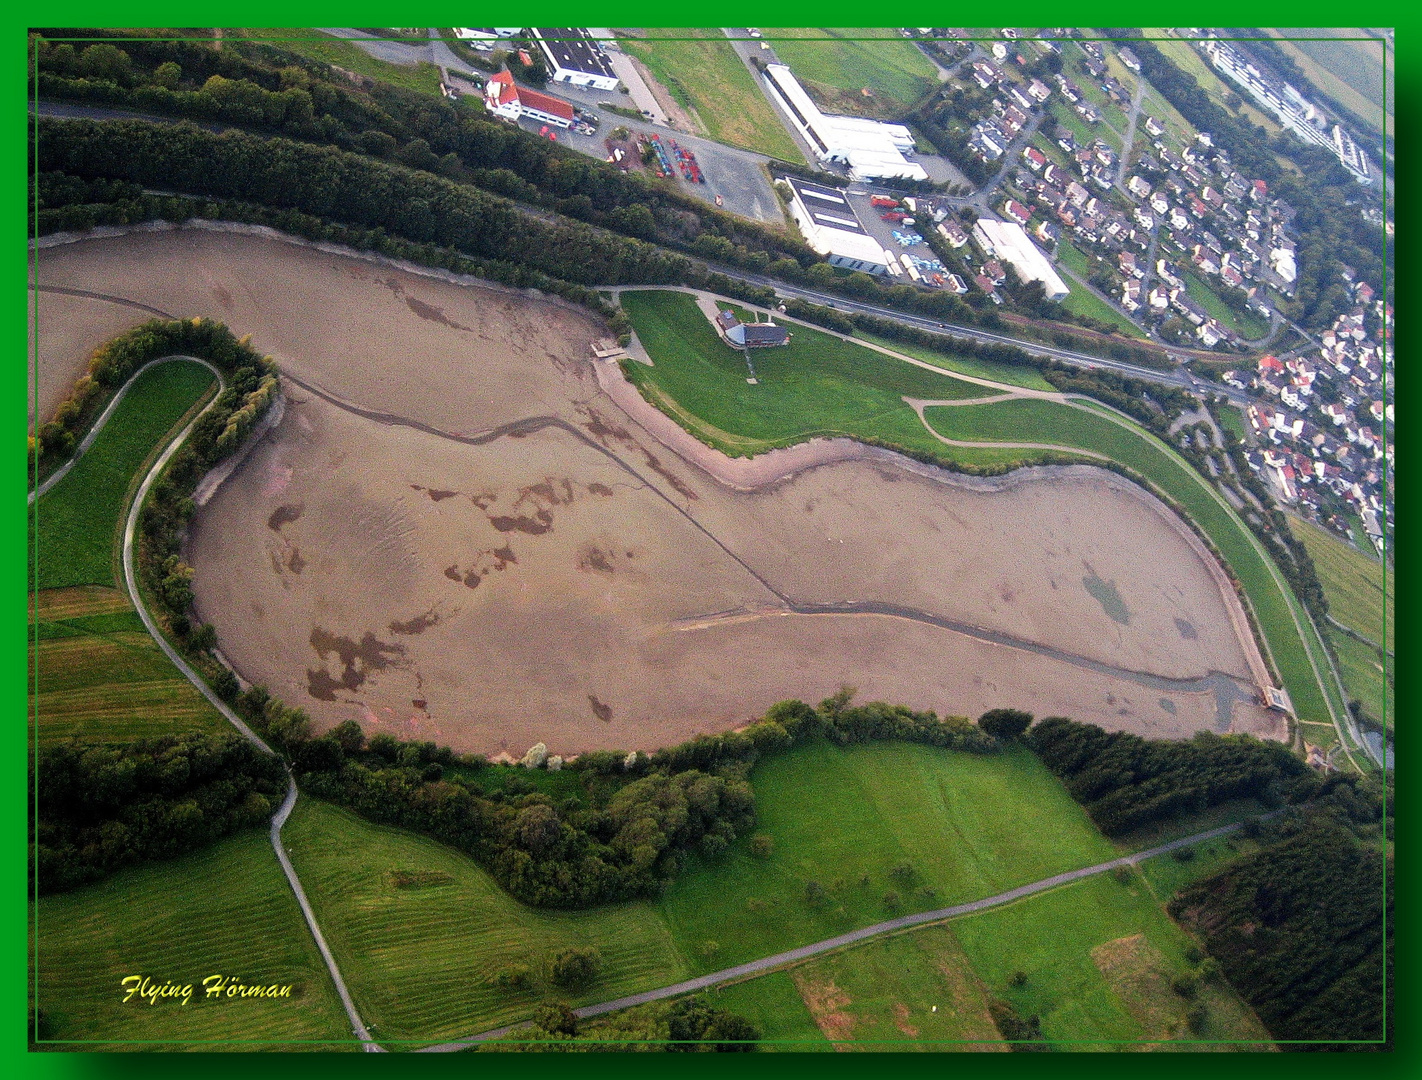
column 1005, row 724
column 1019, row 978
column 516, row 978
column 815, row 894
column 1183, row 854
column 1186, row 984
column 762, row 846
column 891, row 901
column 576, row 968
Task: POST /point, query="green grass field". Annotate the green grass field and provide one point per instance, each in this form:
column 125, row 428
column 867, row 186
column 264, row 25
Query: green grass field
column 1028, row 377
column 101, row 677
column 1247, row 324
column 1358, row 586
column 892, row 69
column 77, row 521
column 839, row 816
column 420, row 962
column 1049, row 422
column 1081, row 301
column 1098, row 957
column 1347, row 68
column 816, row 385
column 774, row 1005
column 314, row 45
column 1364, row 675
column 707, row 75
column 225, row 911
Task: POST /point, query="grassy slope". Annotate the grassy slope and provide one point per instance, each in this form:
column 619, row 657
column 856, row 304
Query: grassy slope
column 78, row 520
column 1364, row 675
column 710, row 76
column 420, row 962
column 1029, row 377
column 1359, row 589
column 838, row 815
column 1248, row 324
column 1050, row 422
column 314, row 45
column 1082, row 301
column 817, row 385
column 1050, row 937
column 774, row 1005
column 1347, row 69
column 227, row 910
column 888, row 65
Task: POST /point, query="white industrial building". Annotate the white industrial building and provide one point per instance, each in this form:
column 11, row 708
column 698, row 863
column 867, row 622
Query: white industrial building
column 1005, row 240
column 574, row 57
column 833, row 229
column 872, row 149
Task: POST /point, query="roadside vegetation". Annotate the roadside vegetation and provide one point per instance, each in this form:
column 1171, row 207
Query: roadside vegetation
column 423, row 78
column 706, row 75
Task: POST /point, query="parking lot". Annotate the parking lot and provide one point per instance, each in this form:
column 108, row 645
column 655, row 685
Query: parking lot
column 883, row 231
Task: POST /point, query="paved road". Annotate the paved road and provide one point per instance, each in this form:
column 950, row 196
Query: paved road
column 890, row 926
column 130, row 578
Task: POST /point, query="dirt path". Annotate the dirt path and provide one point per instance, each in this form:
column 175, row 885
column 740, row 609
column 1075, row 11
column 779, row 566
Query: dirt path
column 805, row 952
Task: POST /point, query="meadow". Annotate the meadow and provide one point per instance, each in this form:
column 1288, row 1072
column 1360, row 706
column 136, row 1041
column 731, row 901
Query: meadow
column 1346, row 67
column 845, row 63
column 224, row 911
column 314, row 45
column 76, row 523
column 701, row 69
column 1024, row 375
column 1358, row 585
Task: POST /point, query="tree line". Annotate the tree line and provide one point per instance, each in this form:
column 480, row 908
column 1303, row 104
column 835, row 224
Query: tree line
column 1127, row 783
column 687, row 1024
column 103, row 807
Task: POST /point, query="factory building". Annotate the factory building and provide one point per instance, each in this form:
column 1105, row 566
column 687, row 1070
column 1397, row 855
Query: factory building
column 504, row 98
column 832, row 228
column 1005, row 240
column 872, row 150
column 572, row 56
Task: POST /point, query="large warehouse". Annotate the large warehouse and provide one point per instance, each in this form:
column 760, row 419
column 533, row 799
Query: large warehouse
column 832, row 228
column 574, row 57
column 1005, row 240
column 872, row 149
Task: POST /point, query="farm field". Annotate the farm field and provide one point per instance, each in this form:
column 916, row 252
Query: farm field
column 78, row 519
column 774, row 1005
column 1098, row 958
column 1364, row 675
column 1130, row 446
column 846, row 817
column 224, row 911
column 842, row 64
column 1358, row 585
column 101, row 677
column 421, row 932
column 706, row 75
column 1347, row 67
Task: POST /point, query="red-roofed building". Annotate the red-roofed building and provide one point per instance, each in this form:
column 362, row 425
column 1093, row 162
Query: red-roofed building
column 504, row 98
column 1271, row 365
column 1016, row 211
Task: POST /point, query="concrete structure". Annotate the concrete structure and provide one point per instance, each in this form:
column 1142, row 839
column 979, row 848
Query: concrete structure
column 1006, row 240
column 871, row 149
column 505, row 99
column 756, row 335
column 832, row 228
column 484, row 33
column 572, row 56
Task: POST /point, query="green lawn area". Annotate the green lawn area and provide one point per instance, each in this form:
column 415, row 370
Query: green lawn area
column 314, row 45
column 970, row 826
column 1084, row 133
column 421, row 961
column 1028, row 377
column 1248, row 324
column 1166, row 875
column 1358, row 586
column 224, row 911
column 708, row 76
column 892, row 68
column 1364, row 675
column 78, row 519
column 1098, row 957
column 774, row 1005
column 1047, row 421
column 816, row 385
column 101, row 677
column 1081, row 301
column 1232, row 420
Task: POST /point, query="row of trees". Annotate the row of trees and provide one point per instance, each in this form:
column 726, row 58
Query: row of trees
column 1126, row 782
column 688, row 1024
column 104, row 807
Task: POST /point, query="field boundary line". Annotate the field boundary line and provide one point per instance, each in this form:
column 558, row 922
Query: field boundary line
column 903, row 922
column 284, row 811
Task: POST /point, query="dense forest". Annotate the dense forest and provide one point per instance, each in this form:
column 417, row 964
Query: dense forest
column 1126, row 782
column 1303, row 928
column 106, row 807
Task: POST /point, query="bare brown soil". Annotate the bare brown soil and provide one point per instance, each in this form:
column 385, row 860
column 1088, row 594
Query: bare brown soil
column 69, row 329
column 455, row 533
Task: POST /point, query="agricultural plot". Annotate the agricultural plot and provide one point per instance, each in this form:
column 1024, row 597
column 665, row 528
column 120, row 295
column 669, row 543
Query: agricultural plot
column 1099, row 957
column 422, row 933
column 1348, row 68
column 706, row 75
column 1358, row 585
column 101, row 677
column 1367, row 676
column 77, row 521
column 843, row 64
column 225, row 911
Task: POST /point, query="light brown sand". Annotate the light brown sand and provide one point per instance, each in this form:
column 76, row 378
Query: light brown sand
column 590, row 587
column 69, row 329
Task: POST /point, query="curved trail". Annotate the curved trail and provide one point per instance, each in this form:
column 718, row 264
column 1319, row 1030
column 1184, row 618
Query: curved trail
column 130, row 577
column 904, row 922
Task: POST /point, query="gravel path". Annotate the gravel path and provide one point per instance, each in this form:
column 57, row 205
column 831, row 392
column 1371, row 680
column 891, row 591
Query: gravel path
column 904, row 922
